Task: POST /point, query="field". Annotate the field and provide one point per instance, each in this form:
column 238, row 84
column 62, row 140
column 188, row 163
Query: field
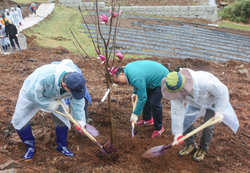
column 228, row 152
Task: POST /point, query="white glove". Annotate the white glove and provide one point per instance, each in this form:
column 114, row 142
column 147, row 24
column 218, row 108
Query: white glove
column 133, row 118
column 133, row 97
column 81, row 123
column 218, row 115
column 176, row 138
column 53, row 105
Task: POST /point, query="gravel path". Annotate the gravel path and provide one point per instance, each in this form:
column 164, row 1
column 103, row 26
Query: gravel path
column 42, row 12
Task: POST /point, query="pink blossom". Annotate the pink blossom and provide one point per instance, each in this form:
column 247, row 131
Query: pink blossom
column 115, row 14
column 97, row 51
column 101, row 57
column 119, row 55
column 104, row 18
column 112, row 71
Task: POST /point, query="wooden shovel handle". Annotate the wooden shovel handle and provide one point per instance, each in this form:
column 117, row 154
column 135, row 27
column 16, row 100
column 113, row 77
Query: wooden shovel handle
column 134, row 103
column 70, row 117
column 210, row 122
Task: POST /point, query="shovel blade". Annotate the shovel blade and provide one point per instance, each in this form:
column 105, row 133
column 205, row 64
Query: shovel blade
column 108, row 152
column 156, row 151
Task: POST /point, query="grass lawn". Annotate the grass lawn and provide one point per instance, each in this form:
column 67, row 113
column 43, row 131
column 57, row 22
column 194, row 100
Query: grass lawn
column 234, row 25
column 54, row 31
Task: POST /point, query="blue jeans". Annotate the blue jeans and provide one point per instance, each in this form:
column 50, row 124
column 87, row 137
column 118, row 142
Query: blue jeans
column 153, row 107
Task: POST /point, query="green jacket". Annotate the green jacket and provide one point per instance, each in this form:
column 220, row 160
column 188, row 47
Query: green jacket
column 143, row 75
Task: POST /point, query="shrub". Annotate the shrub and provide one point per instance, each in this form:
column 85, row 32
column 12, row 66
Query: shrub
column 237, row 12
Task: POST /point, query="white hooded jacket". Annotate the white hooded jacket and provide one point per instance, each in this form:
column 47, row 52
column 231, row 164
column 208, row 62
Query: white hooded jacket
column 208, row 93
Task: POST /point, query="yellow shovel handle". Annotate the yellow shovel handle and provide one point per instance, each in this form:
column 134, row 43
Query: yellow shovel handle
column 70, row 117
column 210, row 122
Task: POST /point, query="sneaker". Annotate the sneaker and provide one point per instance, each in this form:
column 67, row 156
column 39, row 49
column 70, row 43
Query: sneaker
column 188, row 149
column 157, row 133
column 146, row 122
column 199, row 155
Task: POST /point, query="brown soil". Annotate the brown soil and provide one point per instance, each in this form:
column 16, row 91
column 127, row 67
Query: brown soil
column 228, row 152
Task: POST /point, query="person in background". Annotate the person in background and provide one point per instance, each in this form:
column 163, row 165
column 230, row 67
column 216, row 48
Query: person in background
column 194, row 94
column 14, row 16
column 3, row 38
column 145, row 76
column 33, row 8
column 40, row 91
column 20, row 16
column 11, row 32
column 2, row 21
column 8, row 16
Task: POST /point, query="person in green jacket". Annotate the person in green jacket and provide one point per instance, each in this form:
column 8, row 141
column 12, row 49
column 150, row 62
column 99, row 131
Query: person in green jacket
column 145, row 76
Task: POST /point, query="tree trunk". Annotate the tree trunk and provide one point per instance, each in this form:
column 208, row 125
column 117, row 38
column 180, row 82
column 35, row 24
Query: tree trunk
column 109, row 110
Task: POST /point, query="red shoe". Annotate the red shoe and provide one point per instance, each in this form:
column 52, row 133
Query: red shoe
column 148, row 122
column 157, row 133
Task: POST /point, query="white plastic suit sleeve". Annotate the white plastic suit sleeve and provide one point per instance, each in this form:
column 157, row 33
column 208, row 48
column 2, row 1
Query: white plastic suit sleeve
column 77, row 109
column 177, row 116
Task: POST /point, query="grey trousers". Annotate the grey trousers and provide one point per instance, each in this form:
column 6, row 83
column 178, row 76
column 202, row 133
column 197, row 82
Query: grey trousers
column 207, row 133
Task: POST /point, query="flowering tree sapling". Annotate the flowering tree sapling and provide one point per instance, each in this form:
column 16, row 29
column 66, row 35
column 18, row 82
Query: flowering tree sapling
column 107, row 56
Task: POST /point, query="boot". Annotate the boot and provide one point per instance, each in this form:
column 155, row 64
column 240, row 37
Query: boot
column 61, row 140
column 14, row 47
column 6, row 48
column 28, row 139
column 3, row 48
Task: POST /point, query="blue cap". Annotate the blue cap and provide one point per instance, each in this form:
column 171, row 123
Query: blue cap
column 75, row 82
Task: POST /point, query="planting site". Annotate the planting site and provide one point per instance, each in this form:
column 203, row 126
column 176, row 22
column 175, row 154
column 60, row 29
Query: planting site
column 223, row 52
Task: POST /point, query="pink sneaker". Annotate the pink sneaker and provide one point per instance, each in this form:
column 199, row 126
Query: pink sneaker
column 157, row 133
column 148, row 122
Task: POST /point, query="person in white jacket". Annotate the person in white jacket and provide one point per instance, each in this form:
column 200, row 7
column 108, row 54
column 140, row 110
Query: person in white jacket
column 20, row 16
column 194, row 94
column 14, row 16
column 40, row 91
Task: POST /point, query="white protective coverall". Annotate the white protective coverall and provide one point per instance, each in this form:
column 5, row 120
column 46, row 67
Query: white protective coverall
column 20, row 16
column 14, row 16
column 42, row 87
column 208, row 93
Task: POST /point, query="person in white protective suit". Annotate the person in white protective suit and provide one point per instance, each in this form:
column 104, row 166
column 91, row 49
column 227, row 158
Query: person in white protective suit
column 40, row 91
column 20, row 16
column 14, row 16
column 194, row 94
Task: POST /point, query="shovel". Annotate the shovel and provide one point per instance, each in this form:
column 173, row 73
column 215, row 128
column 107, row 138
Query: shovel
column 159, row 150
column 134, row 103
column 70, row 117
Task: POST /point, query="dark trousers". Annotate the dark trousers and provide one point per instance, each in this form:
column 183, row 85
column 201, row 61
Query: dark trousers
column 207, row 133
column 153, row 107
column 12, row 42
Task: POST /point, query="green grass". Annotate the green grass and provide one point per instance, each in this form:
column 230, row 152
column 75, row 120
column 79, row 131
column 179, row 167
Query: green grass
column 234, row 25
column 54, row 31
column 28, row 1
